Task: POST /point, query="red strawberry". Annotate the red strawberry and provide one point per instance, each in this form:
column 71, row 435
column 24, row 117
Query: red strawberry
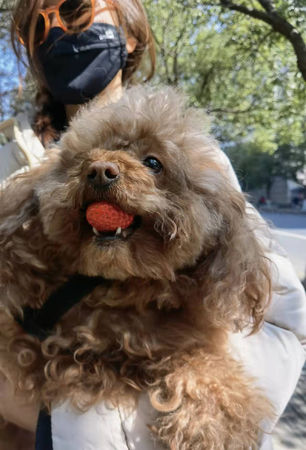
column 104, row 216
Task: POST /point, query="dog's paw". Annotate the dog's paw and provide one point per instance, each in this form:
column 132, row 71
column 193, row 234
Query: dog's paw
column 210, row 405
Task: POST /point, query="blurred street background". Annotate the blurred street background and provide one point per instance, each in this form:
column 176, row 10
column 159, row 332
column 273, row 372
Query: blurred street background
column 290, row 432
column 290, row 231
column 244, row 63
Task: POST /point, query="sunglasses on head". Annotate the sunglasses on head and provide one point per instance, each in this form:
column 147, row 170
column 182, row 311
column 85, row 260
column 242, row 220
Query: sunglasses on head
column 73, row 16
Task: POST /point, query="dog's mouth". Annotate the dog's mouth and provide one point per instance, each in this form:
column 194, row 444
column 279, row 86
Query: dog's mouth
column 119, row 233
column 110, row 223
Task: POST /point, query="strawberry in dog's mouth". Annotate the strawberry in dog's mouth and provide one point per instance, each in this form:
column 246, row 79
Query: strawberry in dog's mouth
column 109, row 222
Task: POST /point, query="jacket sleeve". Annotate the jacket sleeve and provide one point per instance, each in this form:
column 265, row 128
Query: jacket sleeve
column 21, row 149
column 11, row 160
column 275, row 355
column 103, row 427
column 288, row 306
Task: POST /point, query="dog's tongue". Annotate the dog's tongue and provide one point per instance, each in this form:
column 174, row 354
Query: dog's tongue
column 104, row 216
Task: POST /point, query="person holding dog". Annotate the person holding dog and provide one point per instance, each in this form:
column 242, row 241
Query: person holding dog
column 80, row 50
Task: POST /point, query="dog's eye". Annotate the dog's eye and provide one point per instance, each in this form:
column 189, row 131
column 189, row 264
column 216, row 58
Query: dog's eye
column 153, row 164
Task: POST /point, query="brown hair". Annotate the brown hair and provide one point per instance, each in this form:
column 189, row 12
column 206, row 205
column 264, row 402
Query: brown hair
column 50, row 118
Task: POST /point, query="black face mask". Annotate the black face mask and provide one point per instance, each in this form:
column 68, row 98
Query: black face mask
column 78, row 67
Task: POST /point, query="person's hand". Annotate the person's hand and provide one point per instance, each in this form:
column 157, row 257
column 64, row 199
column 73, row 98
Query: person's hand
column 15, row 408
column 15, row 438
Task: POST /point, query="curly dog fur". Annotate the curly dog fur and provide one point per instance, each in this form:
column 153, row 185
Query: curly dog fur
column 190, row 274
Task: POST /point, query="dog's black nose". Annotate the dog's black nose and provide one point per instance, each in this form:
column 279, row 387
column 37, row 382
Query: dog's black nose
column 102, row 173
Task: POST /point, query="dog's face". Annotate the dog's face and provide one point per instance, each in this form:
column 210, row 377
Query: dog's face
column 142, row 155
column 148, row 157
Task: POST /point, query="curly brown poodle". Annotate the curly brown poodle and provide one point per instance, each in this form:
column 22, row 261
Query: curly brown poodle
column 185, row 272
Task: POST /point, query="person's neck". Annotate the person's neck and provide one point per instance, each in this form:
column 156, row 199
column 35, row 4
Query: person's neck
column 110, row 94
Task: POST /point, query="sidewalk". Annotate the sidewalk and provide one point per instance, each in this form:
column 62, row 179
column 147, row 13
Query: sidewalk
column 290, row 432
column 275, row 209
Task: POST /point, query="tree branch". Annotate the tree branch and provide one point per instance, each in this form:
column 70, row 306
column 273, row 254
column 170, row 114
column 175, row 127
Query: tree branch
column 267, row 5
column 278, row 24
column 255, row 13
column 232, row 111
column 175, row 58
column 163, row 53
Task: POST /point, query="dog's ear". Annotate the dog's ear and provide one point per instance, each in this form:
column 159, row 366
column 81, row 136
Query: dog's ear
column 234, row 277
column 18, row 201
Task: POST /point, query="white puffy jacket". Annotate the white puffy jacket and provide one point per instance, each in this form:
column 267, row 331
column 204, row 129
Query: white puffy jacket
column 21, row 148
column 274, row 356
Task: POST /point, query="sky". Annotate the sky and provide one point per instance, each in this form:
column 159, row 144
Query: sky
column 8, row 75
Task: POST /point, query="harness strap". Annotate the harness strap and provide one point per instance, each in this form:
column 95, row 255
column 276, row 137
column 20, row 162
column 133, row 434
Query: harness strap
column 43, row 439
column 40, row 322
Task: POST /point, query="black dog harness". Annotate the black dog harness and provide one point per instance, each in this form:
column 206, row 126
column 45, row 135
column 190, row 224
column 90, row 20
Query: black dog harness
column 40, row 322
